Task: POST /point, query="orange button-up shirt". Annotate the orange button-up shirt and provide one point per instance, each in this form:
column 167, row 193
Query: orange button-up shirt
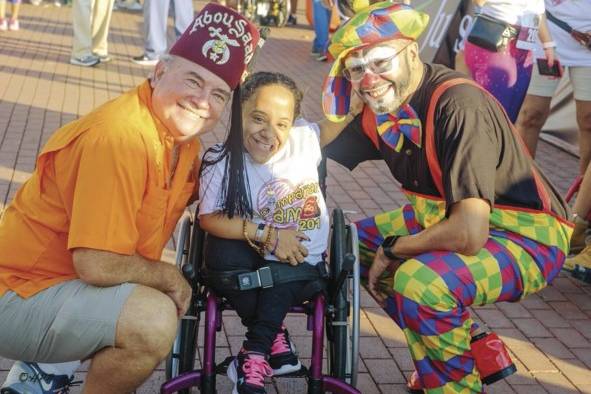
column 101, row 182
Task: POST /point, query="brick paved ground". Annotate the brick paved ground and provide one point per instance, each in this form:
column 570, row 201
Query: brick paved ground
column 549, row 334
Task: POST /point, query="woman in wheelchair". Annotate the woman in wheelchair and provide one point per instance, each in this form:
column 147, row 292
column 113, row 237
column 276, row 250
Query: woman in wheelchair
column 266, row 219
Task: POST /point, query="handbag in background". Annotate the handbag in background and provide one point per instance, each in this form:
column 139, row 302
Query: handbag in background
column 582, row 38
column 490, row 33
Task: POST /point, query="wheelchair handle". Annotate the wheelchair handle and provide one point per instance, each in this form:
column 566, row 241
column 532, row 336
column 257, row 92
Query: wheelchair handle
column 188, row 272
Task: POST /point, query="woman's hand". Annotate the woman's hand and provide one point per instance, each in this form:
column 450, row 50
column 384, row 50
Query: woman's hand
column 550, row 56
column 289, row 246
column 379, row 265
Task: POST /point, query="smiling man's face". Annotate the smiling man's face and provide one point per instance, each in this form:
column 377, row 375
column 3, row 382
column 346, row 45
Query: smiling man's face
column 187, row 98
column 382, row 74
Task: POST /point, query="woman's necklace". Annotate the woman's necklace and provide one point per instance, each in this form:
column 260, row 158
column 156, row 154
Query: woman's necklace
column 270, row 197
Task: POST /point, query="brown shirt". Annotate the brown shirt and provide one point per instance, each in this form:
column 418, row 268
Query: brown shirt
column 477, row 150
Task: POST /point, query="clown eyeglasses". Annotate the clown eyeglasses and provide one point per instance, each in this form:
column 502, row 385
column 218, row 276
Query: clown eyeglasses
column 377, row 66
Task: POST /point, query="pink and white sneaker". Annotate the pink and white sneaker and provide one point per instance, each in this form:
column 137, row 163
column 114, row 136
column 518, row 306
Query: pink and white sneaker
column 283, row 358
column 13, row 25
column 248, row 372
column 3, row 25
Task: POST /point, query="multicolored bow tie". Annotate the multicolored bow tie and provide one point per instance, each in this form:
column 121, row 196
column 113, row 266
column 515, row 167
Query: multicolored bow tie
column 392, row 128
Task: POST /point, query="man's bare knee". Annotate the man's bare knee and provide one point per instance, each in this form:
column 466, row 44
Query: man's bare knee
column 147, row 323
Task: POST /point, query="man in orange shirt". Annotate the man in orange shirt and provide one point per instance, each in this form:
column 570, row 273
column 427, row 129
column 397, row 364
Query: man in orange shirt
column 80, row 270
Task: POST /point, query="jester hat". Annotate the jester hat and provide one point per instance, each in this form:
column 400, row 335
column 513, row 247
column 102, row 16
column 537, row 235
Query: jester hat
column 380, row 22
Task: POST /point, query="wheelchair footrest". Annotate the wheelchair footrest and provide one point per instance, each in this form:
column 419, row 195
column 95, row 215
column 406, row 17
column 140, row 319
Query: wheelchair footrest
column 222, row 369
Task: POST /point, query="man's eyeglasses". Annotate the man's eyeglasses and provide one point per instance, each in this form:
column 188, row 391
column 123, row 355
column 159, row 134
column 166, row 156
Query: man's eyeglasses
column 377, row 66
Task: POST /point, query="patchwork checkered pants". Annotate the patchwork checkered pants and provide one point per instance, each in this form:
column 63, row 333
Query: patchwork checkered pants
column 429, row 294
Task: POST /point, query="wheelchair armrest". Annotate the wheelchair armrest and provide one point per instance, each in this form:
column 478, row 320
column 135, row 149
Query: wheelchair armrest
column 189, row 272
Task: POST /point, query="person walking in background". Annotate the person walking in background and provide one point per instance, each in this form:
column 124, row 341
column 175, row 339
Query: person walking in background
column 321, row 17
column 580, row 264
column 503, row 65
column 292, row 19
column 155, row 26
column 12, row 23
column 575, row 56
column 91, row 20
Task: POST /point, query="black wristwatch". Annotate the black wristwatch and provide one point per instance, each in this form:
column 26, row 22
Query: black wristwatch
column 387, row 246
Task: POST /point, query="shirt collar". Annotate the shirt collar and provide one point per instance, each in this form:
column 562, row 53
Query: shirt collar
column 145, row 94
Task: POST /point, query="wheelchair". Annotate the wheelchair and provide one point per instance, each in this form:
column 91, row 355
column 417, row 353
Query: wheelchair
column 266, row 12
column 335, row 311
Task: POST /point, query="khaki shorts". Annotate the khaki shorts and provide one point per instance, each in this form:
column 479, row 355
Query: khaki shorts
column 69, row 321
column 580, row 80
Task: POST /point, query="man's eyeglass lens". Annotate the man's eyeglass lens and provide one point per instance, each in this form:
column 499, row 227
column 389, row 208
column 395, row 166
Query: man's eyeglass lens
column 377, row 66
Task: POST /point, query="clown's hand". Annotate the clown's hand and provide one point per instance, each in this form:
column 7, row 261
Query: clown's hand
column 379, row 265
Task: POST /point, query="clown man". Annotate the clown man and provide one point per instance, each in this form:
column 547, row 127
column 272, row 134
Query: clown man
column 482, row 225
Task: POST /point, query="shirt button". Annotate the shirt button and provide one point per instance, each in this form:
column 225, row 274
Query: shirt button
column 415, row 182
column 408, row 152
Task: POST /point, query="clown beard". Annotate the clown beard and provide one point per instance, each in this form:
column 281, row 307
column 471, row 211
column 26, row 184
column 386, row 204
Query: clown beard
column 391, row 102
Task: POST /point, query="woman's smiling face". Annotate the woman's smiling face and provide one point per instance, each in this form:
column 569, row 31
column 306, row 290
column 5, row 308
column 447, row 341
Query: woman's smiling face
column 267, row 118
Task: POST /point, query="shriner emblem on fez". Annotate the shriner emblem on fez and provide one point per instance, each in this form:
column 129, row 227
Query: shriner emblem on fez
column 217, row 49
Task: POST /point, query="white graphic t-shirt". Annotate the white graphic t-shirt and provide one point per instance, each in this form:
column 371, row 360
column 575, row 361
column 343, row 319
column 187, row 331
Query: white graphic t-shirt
column 284, row 191
column 515, row 12
column 577, row 13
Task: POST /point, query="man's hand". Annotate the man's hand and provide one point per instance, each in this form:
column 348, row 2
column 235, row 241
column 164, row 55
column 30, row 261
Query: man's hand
column 379, row 265
column 289, row 246
column 180, row 292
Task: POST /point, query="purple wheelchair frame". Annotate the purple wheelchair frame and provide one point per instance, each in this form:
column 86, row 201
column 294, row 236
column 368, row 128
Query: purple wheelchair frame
column 207, row 301
column 205, row 378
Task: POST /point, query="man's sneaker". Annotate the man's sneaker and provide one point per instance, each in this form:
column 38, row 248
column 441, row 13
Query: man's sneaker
column 322, row 57
column 292, row 20
column 27, row 378
column 283, row 358
column 248, row 372
column 103, row 58
column 3, row 25
column 135, row 6
column 144, row 60
column 85, row 61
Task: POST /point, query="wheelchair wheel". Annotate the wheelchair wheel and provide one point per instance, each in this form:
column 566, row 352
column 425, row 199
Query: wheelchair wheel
column 342, row 327
column 248, row 9
column 281, row 9
column 182, row 357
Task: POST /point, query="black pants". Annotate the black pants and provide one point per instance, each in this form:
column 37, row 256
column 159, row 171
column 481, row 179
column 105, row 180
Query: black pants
column 262, row 310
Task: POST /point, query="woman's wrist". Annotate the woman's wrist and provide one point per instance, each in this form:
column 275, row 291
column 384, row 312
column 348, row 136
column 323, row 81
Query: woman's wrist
column 549, row 45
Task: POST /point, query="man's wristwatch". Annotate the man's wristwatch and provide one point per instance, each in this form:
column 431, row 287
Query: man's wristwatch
column 387, row 246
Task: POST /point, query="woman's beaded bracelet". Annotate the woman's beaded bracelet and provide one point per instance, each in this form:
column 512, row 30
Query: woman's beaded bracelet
column 267, row 244
column 252, row 244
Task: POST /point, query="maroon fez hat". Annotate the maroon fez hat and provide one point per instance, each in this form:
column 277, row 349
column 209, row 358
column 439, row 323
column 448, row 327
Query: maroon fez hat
column 221, row 40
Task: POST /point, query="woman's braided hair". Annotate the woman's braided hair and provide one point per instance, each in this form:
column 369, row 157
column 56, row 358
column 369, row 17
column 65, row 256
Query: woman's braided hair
column 235, row 190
